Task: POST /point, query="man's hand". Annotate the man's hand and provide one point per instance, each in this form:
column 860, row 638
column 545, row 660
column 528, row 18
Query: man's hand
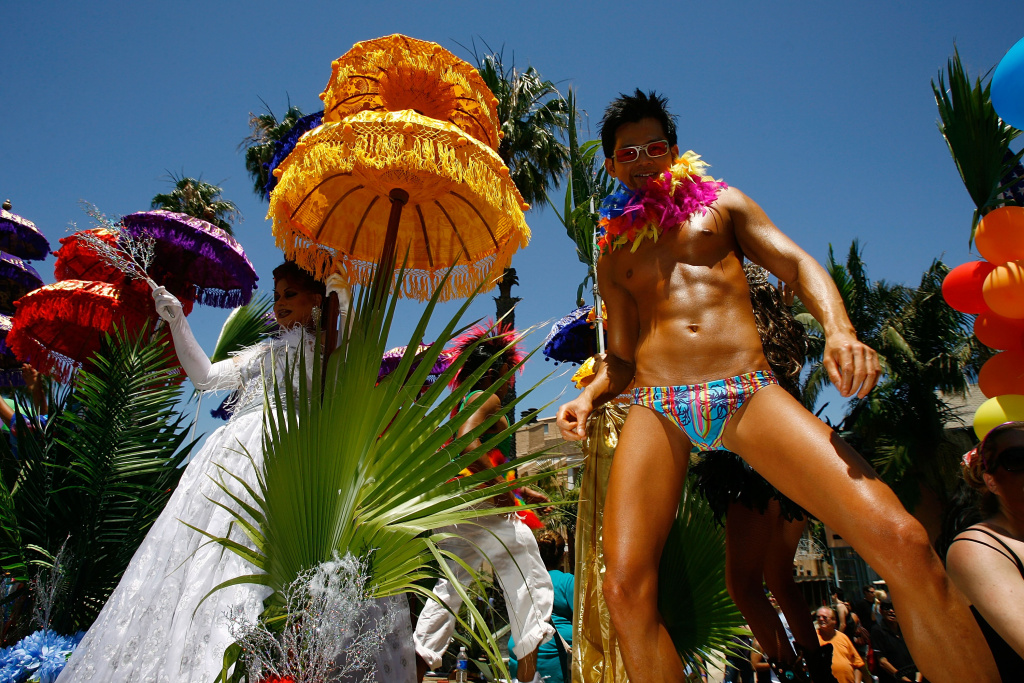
column 572, row 417
column 851, row 365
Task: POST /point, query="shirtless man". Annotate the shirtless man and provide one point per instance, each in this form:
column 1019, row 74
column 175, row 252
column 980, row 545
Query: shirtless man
column 679, row 314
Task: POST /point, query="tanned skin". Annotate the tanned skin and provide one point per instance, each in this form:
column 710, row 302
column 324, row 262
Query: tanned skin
column 679, row 313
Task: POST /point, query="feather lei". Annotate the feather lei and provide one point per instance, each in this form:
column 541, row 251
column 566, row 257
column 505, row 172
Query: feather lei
column 666, row 202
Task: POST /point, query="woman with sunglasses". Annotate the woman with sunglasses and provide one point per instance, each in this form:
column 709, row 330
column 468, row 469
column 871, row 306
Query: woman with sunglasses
column 989, row 565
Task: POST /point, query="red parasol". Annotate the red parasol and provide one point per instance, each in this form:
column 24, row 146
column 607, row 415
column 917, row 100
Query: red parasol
column 57, row 328
column 77, row 260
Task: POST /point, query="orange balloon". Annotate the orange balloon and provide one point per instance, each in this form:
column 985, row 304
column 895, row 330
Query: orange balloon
column 1004, row 290
column 997, row 332
column 1000, row 235
column 1002, row 374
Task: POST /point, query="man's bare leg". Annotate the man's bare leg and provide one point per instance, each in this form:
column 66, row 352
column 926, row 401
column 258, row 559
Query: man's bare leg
column 643, row 495
column 778, row 575
column 806, row 461
column 749, row 535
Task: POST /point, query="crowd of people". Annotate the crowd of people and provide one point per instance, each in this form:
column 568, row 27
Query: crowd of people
column 685, row 339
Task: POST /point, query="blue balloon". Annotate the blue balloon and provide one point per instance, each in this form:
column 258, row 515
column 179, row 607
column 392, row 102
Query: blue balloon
column 1008, row 86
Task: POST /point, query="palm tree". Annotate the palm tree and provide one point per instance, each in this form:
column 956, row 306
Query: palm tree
column 533, row 116
column 198, row 199
column 89, row 482
column 928, row 352
column 259, row 145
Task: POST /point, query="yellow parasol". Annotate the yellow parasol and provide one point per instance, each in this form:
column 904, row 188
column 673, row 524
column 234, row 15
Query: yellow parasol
column 397, row 72
column 443, row 195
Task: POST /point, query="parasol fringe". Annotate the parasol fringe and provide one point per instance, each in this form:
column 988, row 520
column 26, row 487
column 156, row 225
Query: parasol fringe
column 219, row 298
column 435, row 152
column 54, row 308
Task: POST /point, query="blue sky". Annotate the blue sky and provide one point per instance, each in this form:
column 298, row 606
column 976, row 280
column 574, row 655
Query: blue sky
column 822, row 112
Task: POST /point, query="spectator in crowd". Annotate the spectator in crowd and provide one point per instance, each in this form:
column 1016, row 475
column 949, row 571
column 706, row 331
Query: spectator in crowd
column 881, row 596
column 989, row 566
column 738, row 668
column 895, row 665
column 846, row 662
column 553, row 656
column 864, row 608
column 848, row 623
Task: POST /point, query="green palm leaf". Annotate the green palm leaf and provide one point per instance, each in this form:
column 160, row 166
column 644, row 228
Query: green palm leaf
column 245, row 326
column 692, row 596
column 370, row 471
column 95, row 476
column 978, row 139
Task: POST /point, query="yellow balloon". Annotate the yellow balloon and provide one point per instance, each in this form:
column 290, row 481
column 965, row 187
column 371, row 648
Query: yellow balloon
column 996, row 411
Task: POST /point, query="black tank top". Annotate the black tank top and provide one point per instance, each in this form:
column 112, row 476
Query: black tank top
column 1011, row 665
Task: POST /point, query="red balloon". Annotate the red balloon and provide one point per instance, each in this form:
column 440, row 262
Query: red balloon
column 962, row 287
column 997, row 332
column 1002, row 374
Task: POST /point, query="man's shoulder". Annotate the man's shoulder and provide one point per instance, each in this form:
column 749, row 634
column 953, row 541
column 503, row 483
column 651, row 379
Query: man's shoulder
column 843, row 639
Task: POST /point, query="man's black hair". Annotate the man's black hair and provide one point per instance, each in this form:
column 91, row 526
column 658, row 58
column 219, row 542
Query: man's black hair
column 633, row 108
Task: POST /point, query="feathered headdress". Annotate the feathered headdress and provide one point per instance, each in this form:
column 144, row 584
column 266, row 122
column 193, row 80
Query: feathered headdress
column 498, row 338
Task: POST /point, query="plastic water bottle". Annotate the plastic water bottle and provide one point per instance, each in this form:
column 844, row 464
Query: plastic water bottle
column 462, row 667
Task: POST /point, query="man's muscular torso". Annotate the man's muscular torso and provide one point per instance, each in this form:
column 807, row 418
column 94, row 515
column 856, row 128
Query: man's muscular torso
column 686, row 297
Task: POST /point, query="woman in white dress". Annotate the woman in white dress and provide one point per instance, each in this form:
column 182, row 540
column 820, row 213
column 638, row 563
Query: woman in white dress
column 156, row 627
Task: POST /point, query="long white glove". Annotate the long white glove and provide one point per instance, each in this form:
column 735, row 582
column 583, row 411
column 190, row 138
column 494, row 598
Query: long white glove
column 337, row 284
column 205, row 376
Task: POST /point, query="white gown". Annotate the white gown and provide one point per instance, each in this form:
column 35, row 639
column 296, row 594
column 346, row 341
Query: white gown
column 150, row 629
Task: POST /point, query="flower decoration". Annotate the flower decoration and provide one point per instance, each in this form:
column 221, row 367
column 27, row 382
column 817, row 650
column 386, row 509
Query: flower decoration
column 667, row 201
column 38, row 658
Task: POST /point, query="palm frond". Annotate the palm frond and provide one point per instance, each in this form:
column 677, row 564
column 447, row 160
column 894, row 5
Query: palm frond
column 371, row 470
column 692, row 596
column 95, row 476
column 245, row 326
column 978, row 139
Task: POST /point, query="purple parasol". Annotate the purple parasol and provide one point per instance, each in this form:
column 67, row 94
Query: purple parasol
column 572, row 339
column 201, row 254
column 389, row 362
column 10, row 366
column 20, row 236
column 17, row 278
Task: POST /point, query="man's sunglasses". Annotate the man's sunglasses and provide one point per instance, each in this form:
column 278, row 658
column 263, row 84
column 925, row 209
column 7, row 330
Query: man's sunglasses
column 658, row 148
column 1011, row 459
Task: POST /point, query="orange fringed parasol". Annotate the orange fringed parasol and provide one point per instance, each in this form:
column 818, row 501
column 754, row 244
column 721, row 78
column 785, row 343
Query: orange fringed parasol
column 408, row 143
column 396, row 72
column 57, row 328
column 462, row 207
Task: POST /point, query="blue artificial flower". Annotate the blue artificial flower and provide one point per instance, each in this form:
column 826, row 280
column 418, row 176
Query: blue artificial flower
column 614, row 204
column 42, row 654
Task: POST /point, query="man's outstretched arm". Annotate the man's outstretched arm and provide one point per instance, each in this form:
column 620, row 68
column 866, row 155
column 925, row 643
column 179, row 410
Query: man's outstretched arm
column 852, row 366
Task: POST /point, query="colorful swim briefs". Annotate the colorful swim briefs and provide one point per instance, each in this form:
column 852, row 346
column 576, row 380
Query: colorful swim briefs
column 703, row 410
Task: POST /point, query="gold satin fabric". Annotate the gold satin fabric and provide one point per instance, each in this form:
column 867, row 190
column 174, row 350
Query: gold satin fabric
column 595, row 653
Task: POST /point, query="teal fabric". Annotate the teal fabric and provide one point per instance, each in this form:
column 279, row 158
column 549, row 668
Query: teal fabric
column 561, row 618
